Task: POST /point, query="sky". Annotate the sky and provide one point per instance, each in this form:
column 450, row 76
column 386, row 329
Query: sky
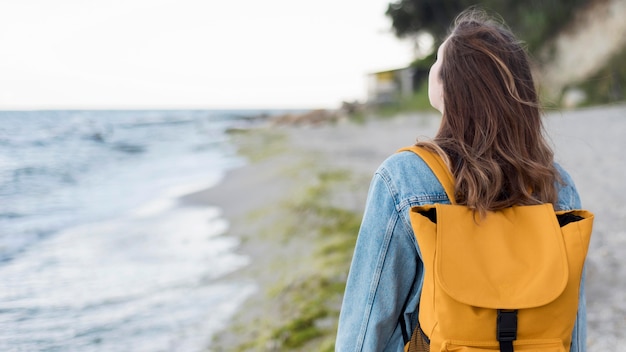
column 192, row 53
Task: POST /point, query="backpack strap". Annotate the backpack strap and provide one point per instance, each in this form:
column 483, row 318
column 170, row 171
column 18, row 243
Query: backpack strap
column 437, row 166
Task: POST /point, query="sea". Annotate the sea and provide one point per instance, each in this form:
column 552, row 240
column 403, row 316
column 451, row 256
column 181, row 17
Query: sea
column 97, row 253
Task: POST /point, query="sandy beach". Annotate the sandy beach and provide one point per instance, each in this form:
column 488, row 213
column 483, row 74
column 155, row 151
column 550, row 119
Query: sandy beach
column 296, row 206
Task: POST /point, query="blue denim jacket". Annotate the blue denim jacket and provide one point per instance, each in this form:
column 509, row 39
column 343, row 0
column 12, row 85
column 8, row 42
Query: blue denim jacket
column 380, row 304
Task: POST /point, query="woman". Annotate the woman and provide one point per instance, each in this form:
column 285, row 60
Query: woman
column 491, row 138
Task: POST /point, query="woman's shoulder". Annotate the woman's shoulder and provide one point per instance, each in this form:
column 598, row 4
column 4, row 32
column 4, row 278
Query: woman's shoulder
column 410, row 178
column 568, row 195
column 404, row 164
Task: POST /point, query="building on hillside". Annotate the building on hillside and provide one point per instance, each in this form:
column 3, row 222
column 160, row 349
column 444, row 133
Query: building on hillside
column 388, row 87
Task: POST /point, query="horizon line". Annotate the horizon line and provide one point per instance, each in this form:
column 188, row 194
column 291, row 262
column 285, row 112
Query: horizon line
column 154, row 108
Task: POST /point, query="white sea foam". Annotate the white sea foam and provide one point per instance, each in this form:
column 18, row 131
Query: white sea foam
column 169, row 198
column 124, row 282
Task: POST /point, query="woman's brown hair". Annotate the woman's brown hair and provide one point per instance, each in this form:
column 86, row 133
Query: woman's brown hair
column 491, row 132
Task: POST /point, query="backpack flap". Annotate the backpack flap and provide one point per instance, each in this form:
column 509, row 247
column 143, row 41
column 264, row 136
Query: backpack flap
column 511, row 259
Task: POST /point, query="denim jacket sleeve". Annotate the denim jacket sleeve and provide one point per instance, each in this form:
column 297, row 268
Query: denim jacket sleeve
column 382, row 277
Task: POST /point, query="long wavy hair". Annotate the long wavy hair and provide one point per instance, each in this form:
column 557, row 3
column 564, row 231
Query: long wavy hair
column 491, row 134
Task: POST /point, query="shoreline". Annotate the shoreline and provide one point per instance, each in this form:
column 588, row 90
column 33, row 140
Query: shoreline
column 283, row 207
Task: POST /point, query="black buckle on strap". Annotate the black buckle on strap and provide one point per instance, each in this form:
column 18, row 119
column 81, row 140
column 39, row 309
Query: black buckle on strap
column 506, row 331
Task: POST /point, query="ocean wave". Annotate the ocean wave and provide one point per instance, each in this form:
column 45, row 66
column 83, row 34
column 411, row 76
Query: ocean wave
column 11, row 215
column 129, row 148
column 40, row 176
column 156, row 122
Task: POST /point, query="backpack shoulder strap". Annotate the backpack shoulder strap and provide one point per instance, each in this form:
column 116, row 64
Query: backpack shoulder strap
column 437, row 166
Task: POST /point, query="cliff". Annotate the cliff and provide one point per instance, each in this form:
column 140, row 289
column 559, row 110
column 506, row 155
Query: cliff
column 570, row 64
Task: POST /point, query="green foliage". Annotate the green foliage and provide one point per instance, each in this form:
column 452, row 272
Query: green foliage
column 261, row 143
column 311, row 309
column 607, row 86
column 533, row 21
column 434, row 16
column 424, row 64
column 303, row 303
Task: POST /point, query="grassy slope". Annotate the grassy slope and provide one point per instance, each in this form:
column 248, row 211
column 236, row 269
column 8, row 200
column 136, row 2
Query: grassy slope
column 310, row 238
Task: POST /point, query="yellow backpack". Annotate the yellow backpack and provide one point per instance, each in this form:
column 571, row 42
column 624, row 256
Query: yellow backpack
column 508, row 281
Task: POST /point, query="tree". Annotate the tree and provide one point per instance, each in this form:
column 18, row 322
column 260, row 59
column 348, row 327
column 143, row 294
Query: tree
column 434, row 16
column 534, row 21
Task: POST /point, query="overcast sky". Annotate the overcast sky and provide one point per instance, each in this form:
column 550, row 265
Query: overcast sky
column 192, row 53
